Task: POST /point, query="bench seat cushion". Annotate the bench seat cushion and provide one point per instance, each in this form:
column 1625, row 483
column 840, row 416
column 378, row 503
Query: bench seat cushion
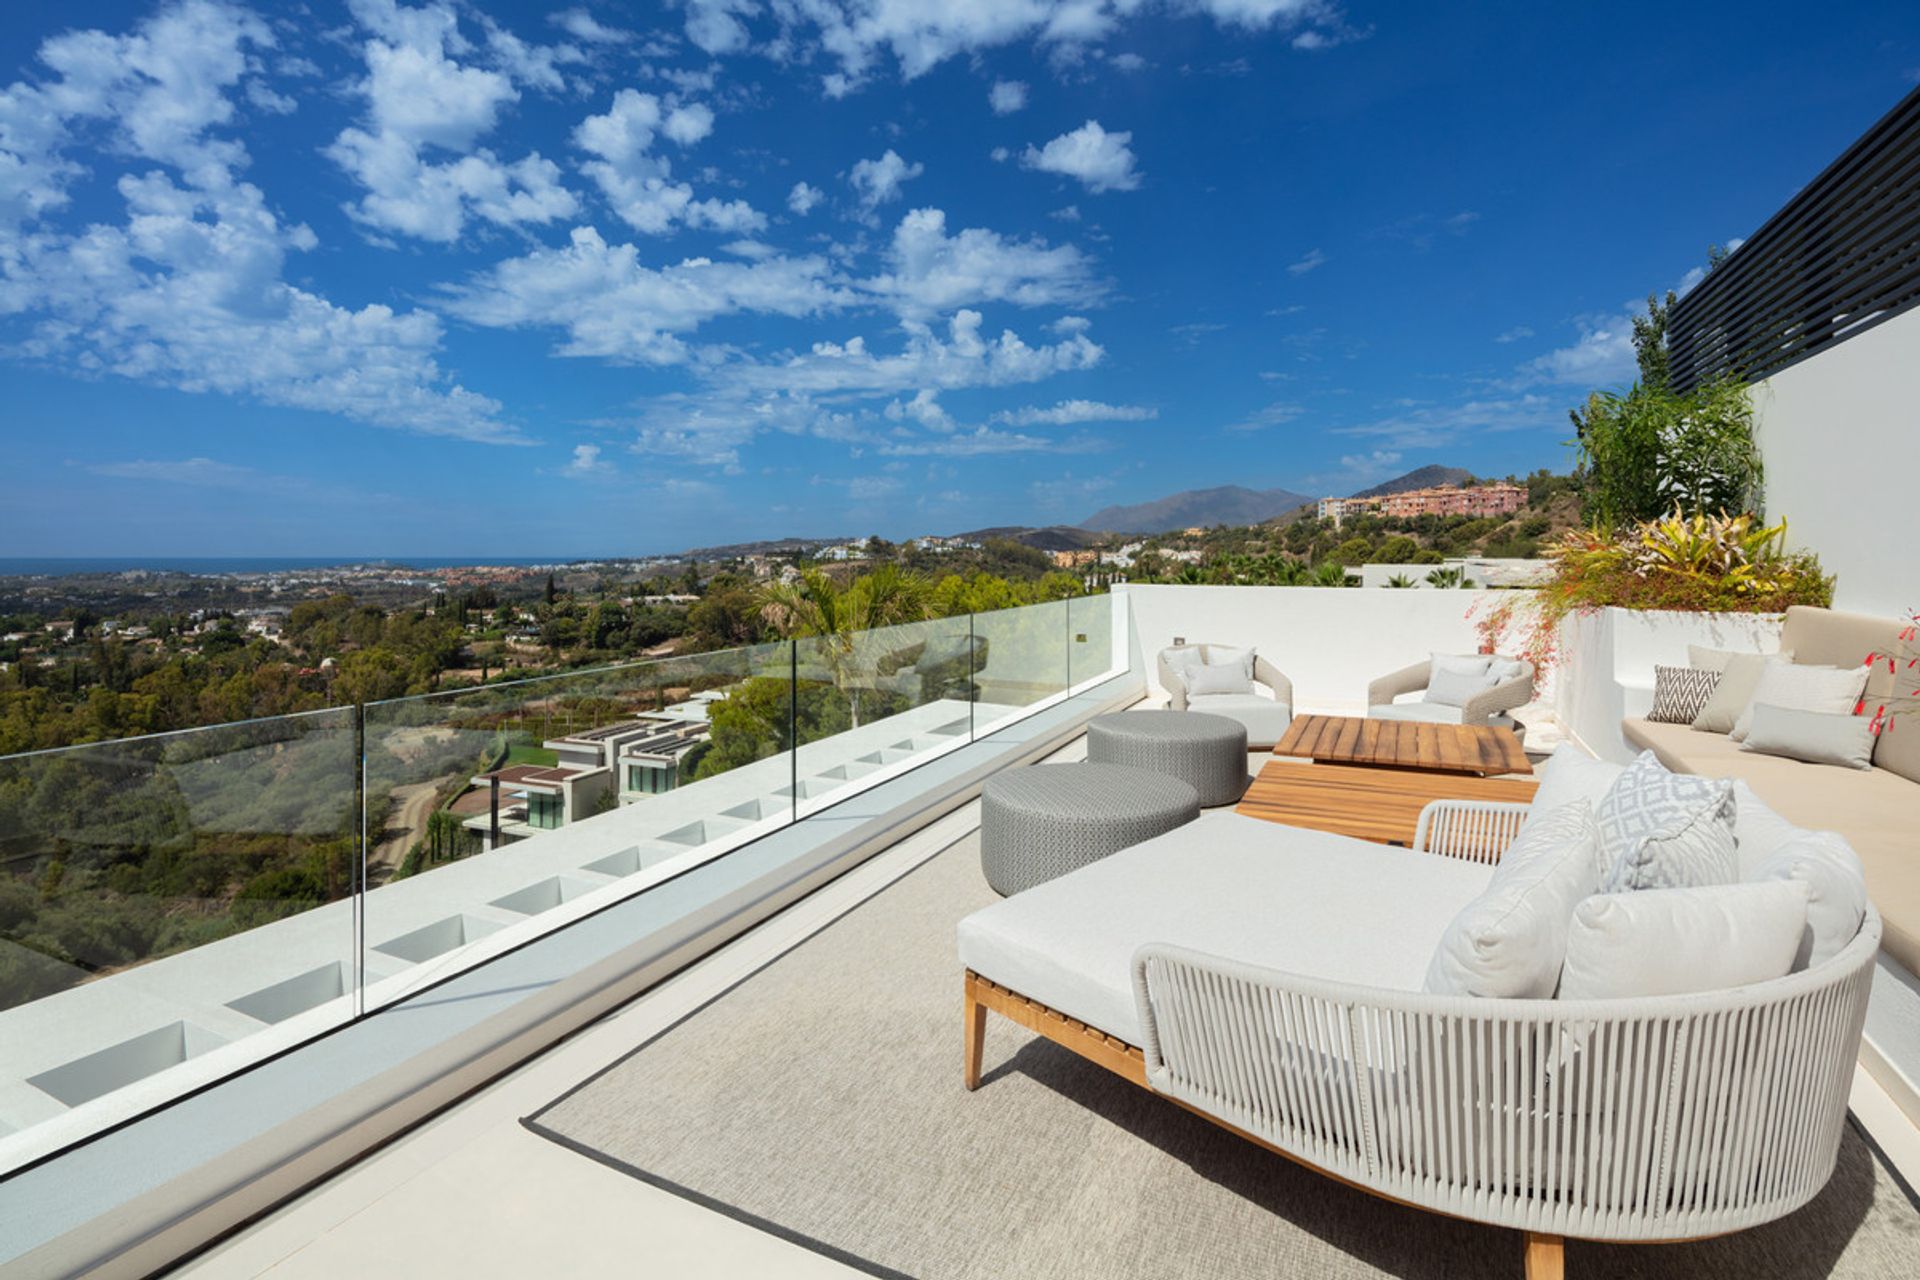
column 1266, row 719
column 1300, row 901
column 1873, row 809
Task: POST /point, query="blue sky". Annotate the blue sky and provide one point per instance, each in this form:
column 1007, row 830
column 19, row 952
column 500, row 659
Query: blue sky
column 514, row 279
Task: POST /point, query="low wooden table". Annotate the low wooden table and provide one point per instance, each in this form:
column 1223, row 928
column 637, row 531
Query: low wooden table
column 1369, row 803
column 1404, row 744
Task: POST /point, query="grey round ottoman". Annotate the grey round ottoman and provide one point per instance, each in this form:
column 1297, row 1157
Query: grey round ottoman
column 1043, row 821
column 1209, row 753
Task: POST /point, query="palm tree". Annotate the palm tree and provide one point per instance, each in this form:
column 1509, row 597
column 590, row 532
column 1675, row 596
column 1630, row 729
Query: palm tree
column 1447, row 578
column 846, row 619
column 1331, row 573
column 1400, row 580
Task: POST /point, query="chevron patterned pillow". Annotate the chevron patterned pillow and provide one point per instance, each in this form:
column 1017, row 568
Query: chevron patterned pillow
column 1680, row 692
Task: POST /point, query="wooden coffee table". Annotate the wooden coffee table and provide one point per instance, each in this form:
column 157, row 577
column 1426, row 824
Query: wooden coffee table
column 1404, row 744
column 1365, row 801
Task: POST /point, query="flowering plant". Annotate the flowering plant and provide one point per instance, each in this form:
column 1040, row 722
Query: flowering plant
column 1904, row 697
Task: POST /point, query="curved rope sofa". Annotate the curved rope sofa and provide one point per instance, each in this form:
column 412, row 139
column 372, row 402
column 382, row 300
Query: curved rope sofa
column 1636, row 1120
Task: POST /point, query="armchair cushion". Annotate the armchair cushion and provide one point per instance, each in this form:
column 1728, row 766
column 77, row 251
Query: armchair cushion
column 1432, row 712
column 1451, row 688
column 1266, row 719
column 1211, row 678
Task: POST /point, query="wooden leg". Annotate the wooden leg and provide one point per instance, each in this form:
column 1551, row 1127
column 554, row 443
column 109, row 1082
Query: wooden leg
column 1546, row 1257
column 976, row 1018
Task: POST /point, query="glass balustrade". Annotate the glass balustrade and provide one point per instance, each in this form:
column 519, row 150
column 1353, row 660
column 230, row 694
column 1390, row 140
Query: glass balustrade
column 175, row 907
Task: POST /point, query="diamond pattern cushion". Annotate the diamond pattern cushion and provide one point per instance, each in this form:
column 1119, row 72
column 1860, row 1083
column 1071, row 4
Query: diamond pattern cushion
column 1664, row 830
column 1679, row 693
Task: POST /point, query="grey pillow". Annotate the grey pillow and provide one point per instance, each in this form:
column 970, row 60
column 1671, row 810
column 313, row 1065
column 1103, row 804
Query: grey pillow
column 1217, row 678
column 1455, row 688
column 1818, row 737
column 1735, row 690
column 1665, row 830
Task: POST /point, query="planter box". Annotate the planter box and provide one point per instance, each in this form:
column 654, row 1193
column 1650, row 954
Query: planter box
column 1605, row 671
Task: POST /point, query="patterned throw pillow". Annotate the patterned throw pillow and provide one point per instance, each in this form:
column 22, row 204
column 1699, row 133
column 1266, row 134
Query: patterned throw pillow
column 1680, row 692
column 1663, row 830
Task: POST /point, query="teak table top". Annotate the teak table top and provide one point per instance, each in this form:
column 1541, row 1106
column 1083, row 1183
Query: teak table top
column 1369, row 803
column 1404, row 744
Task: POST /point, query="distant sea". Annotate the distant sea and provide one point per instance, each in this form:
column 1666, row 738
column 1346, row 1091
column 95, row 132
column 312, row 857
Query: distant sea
column 62, row 565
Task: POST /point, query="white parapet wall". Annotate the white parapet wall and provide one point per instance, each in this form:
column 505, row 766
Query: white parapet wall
column 1839, row 433
column 1330, row 641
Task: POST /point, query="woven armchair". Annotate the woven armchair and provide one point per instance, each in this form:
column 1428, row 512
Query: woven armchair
column 1488, row 707
column 1264, row 673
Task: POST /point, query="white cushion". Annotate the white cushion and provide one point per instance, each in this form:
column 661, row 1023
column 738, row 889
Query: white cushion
column 1570, row 774
column 1432, row 712
column 1182, row 662
column 1211, row 679
column 1670, row 941
column 1465, row 664
column 1665, row 830
column 1738, row 679
column 1456, row 689
column 1510, row 942
column 1300, row 901
column 1266, row 718
column 1836, row 887
column 1698, row 655
column 1834, row 690
column 1817, row 737
column 1220, row 655
column 1757, row 830
column 1504, row 669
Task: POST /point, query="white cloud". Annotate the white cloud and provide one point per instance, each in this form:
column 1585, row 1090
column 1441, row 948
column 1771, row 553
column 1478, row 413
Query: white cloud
column 929, row 271
column 982, row 441
column 189, row 293
column 1007, row 97
column 1518, row 333
column 921, row 34
column 878, row 182
column 803, row 198
column 1099, row 160
column 613, row 307
column 638, row 182
column 716, row 26
column 582, row 25
column 1309, row 261
column 1000, row 155
column 1602, row 354
column 1273, row 415
column 1429, row 426
column 586, row 462
column 924, row 409
column 1128, row 62
column 421, row 100
column 200, row 472
column 1071, row 412
column 963, row 359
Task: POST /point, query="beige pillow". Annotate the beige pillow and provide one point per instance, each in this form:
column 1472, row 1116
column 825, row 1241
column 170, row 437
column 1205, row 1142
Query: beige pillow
column 1795, row 686
column 1817, row 737
column 1738, row 679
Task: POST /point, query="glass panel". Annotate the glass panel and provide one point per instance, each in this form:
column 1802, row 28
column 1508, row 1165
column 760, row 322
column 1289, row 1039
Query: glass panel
column 1092, row 639
column 171, row 908
column 498, row 813
column 875, row 703
column 1021, row 660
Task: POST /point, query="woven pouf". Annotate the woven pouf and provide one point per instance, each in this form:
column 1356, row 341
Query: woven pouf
column 1208, row 753
column 1044, row 821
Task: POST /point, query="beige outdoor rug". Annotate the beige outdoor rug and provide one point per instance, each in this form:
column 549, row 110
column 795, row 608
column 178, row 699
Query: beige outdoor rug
column 821, row 1100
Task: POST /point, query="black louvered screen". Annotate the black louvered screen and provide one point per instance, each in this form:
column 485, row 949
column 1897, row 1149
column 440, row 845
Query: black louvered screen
column 1842, row 256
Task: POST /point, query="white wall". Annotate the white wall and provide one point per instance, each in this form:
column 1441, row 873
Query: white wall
column 1604, row 672
column 1840, row 436
column 1330, row 641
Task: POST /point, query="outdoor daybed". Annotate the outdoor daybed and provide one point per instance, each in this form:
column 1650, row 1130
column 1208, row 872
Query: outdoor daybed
column 1270, row 979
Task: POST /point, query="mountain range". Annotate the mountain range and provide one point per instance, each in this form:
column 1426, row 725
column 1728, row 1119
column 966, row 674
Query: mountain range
column 1228, row 504
column 1232, row 504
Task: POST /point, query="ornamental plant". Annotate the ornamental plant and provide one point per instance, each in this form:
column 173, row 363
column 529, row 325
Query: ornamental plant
column 1904, row 699
column 1690, row 563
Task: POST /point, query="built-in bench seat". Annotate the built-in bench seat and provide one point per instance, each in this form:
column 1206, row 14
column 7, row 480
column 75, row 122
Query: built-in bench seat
column 1877, row 809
